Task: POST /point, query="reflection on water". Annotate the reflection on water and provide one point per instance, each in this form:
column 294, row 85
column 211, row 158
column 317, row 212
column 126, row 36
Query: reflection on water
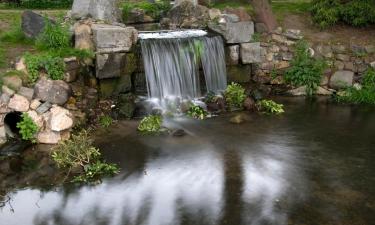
column 300, row 168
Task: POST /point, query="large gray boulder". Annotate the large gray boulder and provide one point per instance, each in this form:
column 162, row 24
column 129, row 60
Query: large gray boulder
column 32, row 23
column 342, row 79
column 110, row 38
column 106, row 10
column 186, row 14
column 234, row 32
column 110, row 65
column 53, row 91
column 251, row 53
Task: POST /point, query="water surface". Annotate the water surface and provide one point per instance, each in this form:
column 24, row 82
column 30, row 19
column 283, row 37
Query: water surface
column 312, row 165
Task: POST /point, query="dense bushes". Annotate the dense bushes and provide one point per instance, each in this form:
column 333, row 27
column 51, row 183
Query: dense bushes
column 235, row 96
column 354, row 12
column 41, row 4
column 305, row 70
column 27, row 128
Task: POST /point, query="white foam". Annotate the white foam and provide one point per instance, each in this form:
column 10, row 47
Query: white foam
column 172, row 34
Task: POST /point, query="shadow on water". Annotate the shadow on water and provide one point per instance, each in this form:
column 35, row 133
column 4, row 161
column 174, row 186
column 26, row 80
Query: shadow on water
column 312, row 165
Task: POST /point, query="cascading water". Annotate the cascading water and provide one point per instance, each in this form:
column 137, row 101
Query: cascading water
column 172, row 61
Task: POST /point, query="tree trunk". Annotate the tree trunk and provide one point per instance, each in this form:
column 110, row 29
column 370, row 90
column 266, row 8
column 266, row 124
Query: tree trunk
column 264, row 14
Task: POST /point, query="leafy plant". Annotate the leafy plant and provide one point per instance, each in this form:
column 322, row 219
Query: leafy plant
column 363, row 95
column 105, row 121
column 197, row 112
column 270, row 107
column 95, row 171
column 54, row 36
column 150, row 124
column 305, row 70
column 235, row 96
column 27, row 127
column 54, row 66
column 76, row 151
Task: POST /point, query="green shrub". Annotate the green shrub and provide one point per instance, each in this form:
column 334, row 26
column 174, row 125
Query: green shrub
column 27, row 127
column 54, row 36
column 155, row 10
column 235, row 96
column 150, row 124
column 270, row 107
column 305, row 70
column 105, row 121
column 197, row 112
column 78, row 151
column 96, row 171
column 364, row 95
column 53, row 65
column 353, row 12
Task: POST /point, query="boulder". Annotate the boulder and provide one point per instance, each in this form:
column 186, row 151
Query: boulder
column 232, row 55
column 251, row 53
column 110, row 38
column 72, row 69
column 240, row 12
column 53, row 91
column 126, row 106
column 19, row 103
column 214, row 14
column 343, row 57
column 110, row 65
column 4, row 98
column 35, row 104
column 341, row 79
column 33, row 23
column 26, row 92
column 105, row 10
column 52, row 137
column 234, row 33
column 249, row 104
column 14, row 82
column 83, row 37
column 186, row 14
column 60, row 119
column 301, row 91
column 43, row 107
column 38, row 119
column 7, row 91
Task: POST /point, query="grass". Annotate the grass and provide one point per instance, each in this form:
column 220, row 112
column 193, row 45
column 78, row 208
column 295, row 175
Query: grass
column 223, row 5
column 2, row 56
column 285, row 7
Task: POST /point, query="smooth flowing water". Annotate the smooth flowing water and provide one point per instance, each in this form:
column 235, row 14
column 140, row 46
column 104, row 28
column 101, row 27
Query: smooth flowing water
column 172, row 61
column 312, row 165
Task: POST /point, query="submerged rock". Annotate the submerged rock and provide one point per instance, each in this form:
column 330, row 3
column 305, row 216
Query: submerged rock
column 179, row 133
column 239, row 118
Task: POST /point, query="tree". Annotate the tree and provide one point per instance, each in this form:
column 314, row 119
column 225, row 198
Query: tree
column 264, row 14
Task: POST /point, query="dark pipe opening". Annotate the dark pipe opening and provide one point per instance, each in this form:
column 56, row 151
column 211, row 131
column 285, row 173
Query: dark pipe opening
column 11, row 120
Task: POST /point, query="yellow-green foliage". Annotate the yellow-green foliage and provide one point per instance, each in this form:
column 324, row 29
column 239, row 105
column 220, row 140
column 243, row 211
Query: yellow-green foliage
column 235, row 96
column 150, row 124
column 270, row 107
column 27, row 127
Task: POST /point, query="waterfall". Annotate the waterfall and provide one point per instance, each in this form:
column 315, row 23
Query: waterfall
column 172, row 62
